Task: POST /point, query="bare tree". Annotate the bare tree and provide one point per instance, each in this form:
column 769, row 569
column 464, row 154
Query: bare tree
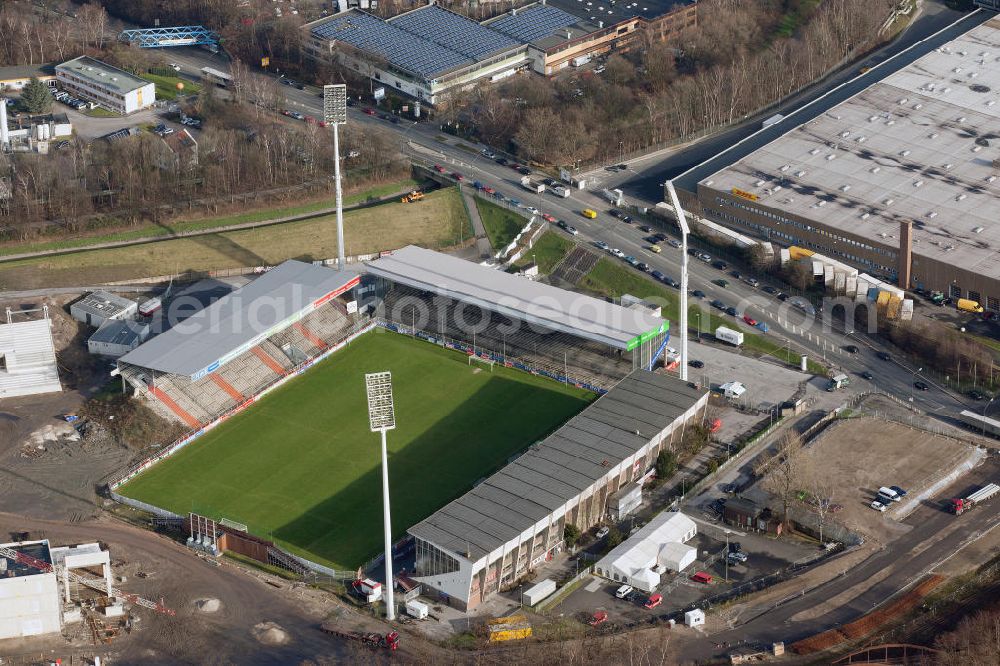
column 784, row 471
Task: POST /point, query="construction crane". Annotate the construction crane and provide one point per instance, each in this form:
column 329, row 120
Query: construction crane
column 98, row 585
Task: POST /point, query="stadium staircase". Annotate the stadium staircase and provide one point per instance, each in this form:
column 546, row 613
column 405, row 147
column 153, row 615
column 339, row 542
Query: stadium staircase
column 172, row 405
column 268, row 360
column 227, row 387
column 317, row 341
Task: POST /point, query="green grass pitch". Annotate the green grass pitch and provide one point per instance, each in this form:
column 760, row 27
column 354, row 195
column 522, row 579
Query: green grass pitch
column 302, row 468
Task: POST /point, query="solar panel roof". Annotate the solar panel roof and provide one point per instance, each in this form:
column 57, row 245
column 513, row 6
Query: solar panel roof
column 533, row 23
column 401, row 48
column 453, row 31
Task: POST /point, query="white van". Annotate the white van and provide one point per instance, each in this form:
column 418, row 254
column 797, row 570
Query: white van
column 888, row 495
column 624, row 591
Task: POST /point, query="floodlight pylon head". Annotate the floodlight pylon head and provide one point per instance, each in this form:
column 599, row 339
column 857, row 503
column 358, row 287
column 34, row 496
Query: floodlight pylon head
column 381, row 414
column 335, row 103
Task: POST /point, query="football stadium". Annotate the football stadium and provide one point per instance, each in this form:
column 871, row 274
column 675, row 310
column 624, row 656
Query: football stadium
column 488, row 368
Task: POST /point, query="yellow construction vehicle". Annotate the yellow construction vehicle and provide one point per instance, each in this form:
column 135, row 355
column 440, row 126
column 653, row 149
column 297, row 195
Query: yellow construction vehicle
column 415, row 195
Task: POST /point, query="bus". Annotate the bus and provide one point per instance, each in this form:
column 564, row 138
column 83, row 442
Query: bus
column 220, row 79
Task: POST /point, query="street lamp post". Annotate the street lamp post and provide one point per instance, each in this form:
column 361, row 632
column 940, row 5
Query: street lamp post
column 382, row 418
column 683, row 314
column 727, row 556
column 984, row 413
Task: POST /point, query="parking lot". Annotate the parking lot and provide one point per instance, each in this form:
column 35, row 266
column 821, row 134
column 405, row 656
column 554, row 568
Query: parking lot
column 765, row 555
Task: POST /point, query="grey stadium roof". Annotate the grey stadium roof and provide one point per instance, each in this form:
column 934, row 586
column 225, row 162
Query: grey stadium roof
column 533, row 23
column 421, row 42
column 560, row 468
column 238, row 319
column 516, row 297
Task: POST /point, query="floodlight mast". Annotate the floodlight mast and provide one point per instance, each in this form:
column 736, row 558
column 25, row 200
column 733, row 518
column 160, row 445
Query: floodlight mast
column 683, row 314
column 381, row 418
column 335, row 113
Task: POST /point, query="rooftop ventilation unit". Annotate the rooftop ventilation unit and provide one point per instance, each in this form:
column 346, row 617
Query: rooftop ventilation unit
column 976, row 149
column 948, row 166
column 888, row 202
column 758, row 183
column 831, row 157
column 814, row 151
column 872, row 119
column 865, row 216
column 957, row 70
column 918, row 183
column 784, row 168
column 799, row 174
column 845, row 134
column 917, row 107
column 990, row 179
column 977, row 230
column 932, row 214
column 903, row 100
column 875, row 169
column 890, row 122
column 845, row 188
column 961, row 197
column 708, row 183
column 905, row 153
column 932, row 135
column 862, row 139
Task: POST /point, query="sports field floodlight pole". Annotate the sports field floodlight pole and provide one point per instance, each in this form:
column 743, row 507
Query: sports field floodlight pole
column 683, row 314
column 381, row 418
column 335, row 113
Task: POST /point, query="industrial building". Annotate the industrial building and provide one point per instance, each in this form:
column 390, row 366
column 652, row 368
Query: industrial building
column 117, row 337
column 112, row 88
column 899, row 181
column 98, row 307
column 657, row 548
column 424, row 53
column 28, row 359
column 500, row 530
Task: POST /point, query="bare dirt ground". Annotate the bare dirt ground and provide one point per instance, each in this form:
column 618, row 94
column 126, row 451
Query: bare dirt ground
column 861, row 455
column 223, row 634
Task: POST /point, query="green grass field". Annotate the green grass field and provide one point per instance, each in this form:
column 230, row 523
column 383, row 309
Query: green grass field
column 303, row 469
column 502, row 225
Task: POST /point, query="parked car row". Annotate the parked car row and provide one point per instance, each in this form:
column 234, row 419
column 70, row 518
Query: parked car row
column 69, row 100
column 885, row 496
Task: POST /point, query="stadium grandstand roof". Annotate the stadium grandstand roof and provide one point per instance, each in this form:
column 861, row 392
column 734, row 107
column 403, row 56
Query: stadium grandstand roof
column 519, row 298
column 427, row 42
column 557, row 470
column 235, row 323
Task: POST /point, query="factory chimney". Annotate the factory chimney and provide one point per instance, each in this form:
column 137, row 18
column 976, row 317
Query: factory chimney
column 904, row 258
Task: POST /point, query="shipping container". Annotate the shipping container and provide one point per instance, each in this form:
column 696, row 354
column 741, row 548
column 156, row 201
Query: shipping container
column 539, row 591
column 729, row 335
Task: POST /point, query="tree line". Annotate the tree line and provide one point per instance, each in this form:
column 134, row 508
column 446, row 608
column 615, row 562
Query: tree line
column 134, row 180
column 660, row 92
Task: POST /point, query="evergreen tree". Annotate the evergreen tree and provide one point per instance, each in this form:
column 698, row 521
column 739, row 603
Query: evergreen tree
column 35, row 97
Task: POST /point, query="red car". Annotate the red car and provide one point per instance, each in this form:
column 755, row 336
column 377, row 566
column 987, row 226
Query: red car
column 654, row 601
column 715, row 425
column 749, row 320
column 489, row 190
column 370, row 111
column 599, row 618
column 548, row 218
column 457, row 176
column 439, row 168
column 702, row 577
